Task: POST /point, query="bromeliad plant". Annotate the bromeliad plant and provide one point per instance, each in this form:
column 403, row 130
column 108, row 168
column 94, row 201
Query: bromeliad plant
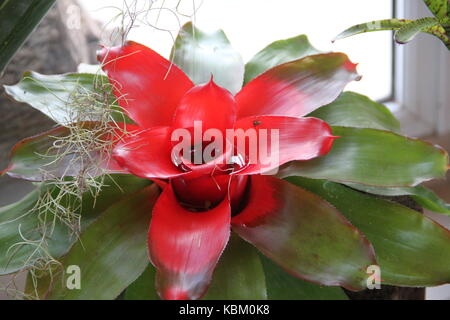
column 114, row 189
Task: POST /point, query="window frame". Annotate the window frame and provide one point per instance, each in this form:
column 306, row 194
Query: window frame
column 421, row 93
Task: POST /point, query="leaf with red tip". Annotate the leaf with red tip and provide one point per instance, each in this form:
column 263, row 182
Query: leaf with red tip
column 304, row 234
column 49, row 155
column 214, row 106
column 277, row 140
column 147, row 154
column 185, row 246
column 23, row 218
column 298, row 87
column 148, row 86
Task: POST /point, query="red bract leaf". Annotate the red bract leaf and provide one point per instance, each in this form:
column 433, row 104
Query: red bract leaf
column 185, row 246
column 212, row 105
column 298, row 87
column 147, row 154
column 304, row 234
column 147, row 86
column 296, row 138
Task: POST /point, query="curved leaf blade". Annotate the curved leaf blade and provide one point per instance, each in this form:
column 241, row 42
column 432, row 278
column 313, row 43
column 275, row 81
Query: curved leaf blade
column 20, row 216
column 239, row 275
column 375, row 158
column 298, row 87
column 111, row 252
column 17, row 20
column 386, row 24
column 407, row 32
column 351, row 109
column 303, row 234
column 202, row 55
column 277, row 53
column 412, row 250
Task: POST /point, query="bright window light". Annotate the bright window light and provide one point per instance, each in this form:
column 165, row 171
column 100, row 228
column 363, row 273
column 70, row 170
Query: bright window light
column 252, row 24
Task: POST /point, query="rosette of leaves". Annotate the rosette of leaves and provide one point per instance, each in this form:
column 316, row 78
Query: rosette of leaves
column 96, row 219
column 406, row 30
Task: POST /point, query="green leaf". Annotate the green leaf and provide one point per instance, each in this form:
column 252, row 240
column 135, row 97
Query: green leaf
column 440, row 8
column 17, row 20
column 374, row 157
column 423, row 196
column 406, row 29
column 351, row 109
column 200, row 55
column 276, row 53
column 111, row 252
column 407, row 32
column 303, row 234
column 143, row 288
column 239, row 274
column 19, row 219
column 411, row 249
column 66, row 98
column 64, row 151
column 297, row 87
column 387, row 24
column 282, row 286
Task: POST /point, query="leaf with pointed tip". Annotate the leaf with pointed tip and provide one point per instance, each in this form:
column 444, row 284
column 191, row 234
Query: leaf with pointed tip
column 351, row 109
column 407, row 32
column 303, row 234
column 239, row 274
column 405, row 29
column 423, row 196
column 374, row 157
column 67, row 98
column 18, row 19
column 411, row 249
column 19, row 219
column 111, row 253
column 378, row 25
column 282, row 286
column 202, row 55
column 298, row 87
column 276, row 53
